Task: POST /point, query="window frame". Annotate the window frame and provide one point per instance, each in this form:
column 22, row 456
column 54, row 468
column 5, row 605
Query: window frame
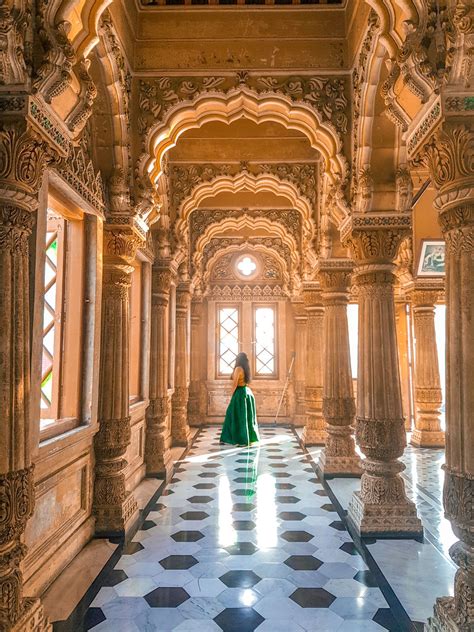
column 219, row 307
column 276, row 372
column 59, row 422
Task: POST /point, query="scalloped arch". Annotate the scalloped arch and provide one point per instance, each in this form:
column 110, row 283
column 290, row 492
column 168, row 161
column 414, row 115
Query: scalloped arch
column 247, row 246
column 243, row 103
column 88, row 36
column 245, row 181
column 237, row 224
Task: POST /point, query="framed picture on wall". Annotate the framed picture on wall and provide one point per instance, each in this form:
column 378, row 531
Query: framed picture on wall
column 432, row 258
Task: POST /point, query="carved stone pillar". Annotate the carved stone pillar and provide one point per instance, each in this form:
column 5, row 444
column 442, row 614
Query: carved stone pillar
column 450, row 158
column 197, row 370
column 381, row 507
column 339, row 456
column 23, row 156
column 428, row 396
column 180, row 428
column 115, row 508
column 314, row 432
column 158, row 434
column 299, row 368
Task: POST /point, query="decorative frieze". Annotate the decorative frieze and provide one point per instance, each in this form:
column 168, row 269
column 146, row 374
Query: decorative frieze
column 247, row 293
column 326, row 95
column 185, row 178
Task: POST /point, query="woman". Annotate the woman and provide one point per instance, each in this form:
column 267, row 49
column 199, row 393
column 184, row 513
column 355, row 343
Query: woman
column 240, row 425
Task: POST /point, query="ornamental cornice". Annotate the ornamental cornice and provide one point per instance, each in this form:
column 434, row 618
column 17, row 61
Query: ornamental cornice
column 184, row 178
column 327, row 95
column 246, row 293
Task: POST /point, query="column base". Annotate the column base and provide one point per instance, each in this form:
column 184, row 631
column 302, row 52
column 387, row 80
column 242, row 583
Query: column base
column 445, row 619
column 116, row 521
column 329, row 465
column 427, row 438
column 384, row 519
column 33, row 618
column 160, row 465
column 313, row 436
column 182, row 438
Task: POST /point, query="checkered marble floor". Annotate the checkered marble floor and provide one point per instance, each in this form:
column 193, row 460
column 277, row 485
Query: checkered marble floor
column 242, row 540
column 425, row 478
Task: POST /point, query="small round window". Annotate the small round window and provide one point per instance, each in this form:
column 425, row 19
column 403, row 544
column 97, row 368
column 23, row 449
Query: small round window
column 246, row 266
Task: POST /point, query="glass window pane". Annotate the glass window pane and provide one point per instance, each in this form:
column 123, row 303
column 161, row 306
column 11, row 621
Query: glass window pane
column 265, row 341
column 228, row 339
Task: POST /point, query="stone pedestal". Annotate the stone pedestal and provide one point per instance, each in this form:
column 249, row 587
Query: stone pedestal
column 428, row 396
column 158, row 434
column 339, row 456
column 450, row 162
column 115, row 508
column 314, row 432
column 381, row 507
column 179, row 427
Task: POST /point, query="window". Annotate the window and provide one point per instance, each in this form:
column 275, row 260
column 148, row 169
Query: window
column 246, row 266
column 265, row 351
column 135, row 332
column 52, row 308
column 228, row 339
column 62, row 304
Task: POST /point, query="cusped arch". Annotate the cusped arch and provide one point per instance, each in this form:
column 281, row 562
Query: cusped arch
column 245, row 181
column 243, row 102
column 238, row 224
column 246, row 246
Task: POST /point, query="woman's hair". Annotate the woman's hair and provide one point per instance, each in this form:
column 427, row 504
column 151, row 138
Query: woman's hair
column 243, row 361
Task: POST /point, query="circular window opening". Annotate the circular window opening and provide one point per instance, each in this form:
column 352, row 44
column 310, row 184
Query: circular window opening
column 247, row 266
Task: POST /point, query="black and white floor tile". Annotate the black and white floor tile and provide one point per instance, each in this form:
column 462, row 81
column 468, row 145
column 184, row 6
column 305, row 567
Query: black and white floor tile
column 242, row 540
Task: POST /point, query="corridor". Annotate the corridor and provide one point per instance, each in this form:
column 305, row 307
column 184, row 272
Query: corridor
column 243, row 540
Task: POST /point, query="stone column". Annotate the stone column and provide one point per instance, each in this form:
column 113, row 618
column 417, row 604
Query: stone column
column 339, row 456
column 197, row 370
column 158, row 434
column 299, row 368
column 381, row 507
column 115, row 508
column 180, row 428
column 23, row 156
column 314, row 432
column 450, row 161
column 428, row 396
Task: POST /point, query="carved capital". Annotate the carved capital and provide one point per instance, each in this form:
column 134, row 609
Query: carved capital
column 335, row 276
column 121, row 243
column 375, row 238
column 16, row 503
column 457, row 224
column 424, row 298
column 15, row 229
column 449, row 156
column 23, row 158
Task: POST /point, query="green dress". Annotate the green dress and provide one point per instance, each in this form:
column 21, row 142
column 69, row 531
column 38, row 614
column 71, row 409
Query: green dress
column 240, row 425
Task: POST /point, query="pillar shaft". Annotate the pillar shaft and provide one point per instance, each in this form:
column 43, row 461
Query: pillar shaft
column 180, row 428
column 197, row 370
column 451, row 171
column 381, row 507
column 23, row 156
column 299, row 368
column 339, row 456
column 158, row 434
column 115, row 509
column 314, row 432
column 428, row 396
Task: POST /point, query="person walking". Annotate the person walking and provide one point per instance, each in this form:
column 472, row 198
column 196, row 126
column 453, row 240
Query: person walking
column 240, row 426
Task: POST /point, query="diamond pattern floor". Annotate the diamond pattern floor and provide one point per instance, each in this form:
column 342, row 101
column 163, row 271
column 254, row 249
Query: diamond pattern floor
column 242, row 540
